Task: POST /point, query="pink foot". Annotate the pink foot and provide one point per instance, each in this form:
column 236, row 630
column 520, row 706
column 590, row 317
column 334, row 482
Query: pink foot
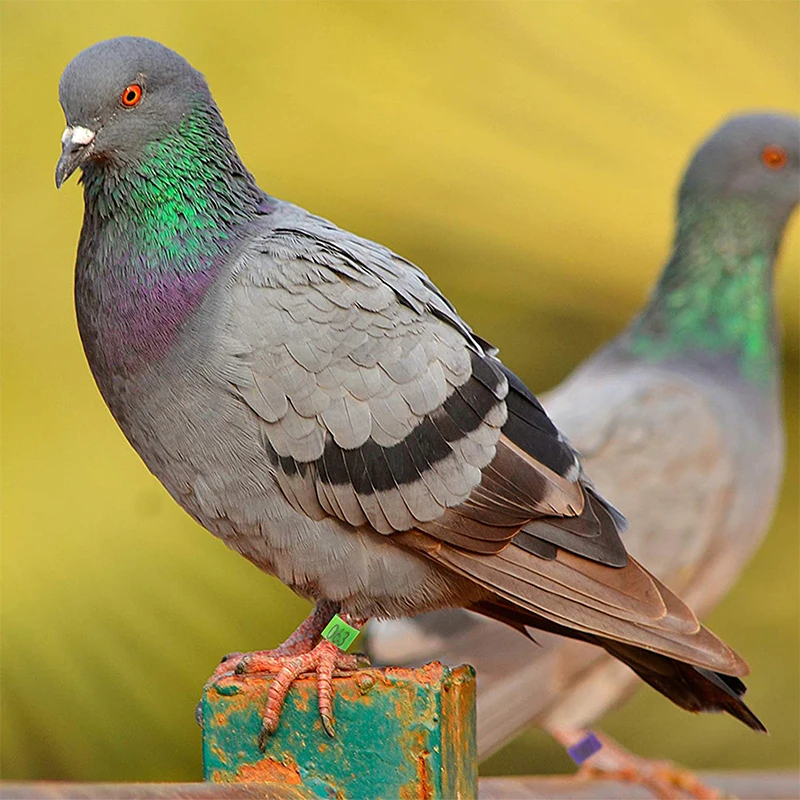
column 231, row 663
column 325, row 659
column 665, row 780
column 301, row 641
column 301, row 652
column 613, row 762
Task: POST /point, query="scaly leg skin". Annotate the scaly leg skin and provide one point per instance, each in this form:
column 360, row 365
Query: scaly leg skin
column 301, row 641
column 295, row 657
column 613, row 762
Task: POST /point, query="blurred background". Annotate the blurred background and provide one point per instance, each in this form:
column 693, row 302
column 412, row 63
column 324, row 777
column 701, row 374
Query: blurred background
column 525, row 155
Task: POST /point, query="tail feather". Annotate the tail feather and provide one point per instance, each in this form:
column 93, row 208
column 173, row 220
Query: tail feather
column 691, row 687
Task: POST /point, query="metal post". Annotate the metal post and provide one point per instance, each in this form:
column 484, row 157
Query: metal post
column 400, row 733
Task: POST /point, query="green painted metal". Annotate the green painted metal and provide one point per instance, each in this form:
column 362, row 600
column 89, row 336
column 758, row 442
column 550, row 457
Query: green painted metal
column 401, row 734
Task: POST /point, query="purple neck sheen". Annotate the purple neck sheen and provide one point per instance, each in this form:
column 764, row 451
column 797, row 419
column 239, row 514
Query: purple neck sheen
column 138, row 324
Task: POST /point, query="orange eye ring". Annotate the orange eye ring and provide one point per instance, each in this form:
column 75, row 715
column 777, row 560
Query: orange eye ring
column 131, row 95
column 774, row 156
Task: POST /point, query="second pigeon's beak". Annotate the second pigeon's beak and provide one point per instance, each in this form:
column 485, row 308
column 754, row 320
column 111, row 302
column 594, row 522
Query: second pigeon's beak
column 75, row 143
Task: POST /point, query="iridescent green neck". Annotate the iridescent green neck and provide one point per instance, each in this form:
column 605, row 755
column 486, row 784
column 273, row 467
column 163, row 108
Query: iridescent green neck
column 715, row 294
column 157, row 232
column 176, row 207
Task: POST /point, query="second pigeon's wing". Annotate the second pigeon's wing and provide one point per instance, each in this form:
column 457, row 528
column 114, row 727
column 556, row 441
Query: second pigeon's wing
column 656, row 447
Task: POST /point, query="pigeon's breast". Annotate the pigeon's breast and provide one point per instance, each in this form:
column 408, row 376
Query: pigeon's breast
column 169, row 391
column 128, row 324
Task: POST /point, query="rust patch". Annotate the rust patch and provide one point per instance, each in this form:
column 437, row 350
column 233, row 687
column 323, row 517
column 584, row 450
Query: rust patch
column 365, row 682
column 425, row 788
column 270, row 770
column 399, row 705
column 429, row 674
column 221, row 754
column 421, row 788
column 300, row 692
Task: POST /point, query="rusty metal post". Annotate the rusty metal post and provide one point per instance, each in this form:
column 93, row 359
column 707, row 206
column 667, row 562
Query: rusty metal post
column 400, row 733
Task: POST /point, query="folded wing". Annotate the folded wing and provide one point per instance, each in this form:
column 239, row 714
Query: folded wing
column 377, row 405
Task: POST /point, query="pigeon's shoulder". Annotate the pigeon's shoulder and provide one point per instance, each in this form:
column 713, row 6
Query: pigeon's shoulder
column 291, row 246
column 375, row 402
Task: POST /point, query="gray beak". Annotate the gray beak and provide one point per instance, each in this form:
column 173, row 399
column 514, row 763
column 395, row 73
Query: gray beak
column 75, row 143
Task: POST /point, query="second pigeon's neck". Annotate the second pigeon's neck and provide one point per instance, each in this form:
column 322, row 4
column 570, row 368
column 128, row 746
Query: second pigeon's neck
column 715, row 294
column 156, row 233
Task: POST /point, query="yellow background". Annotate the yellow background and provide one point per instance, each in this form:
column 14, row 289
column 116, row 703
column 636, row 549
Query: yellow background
column 525, row 154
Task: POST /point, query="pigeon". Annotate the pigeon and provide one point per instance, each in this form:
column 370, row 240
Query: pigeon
column 678, row 421
column 312, row 399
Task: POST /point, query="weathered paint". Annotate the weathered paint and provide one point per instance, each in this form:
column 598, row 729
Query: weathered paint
column 401, row 734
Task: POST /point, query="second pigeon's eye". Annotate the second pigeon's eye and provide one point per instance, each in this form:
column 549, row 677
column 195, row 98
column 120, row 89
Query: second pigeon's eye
column 131, row 95
column 773, row 156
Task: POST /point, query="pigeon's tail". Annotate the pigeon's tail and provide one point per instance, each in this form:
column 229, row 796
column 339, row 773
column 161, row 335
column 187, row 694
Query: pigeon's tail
column 693, row 688
column 510, row 666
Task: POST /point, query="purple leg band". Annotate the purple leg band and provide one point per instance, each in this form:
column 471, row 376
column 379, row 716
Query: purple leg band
column 585, row 748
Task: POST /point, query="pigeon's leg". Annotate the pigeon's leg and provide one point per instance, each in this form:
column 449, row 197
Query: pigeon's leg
column 324, row 658
column 613, row 762
column 301, row 641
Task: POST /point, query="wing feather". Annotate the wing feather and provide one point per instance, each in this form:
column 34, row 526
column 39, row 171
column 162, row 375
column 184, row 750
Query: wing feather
column 674, row 633
column 377, row 405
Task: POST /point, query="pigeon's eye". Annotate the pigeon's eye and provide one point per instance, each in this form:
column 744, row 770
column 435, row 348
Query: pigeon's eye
column 131, row 95
column 773, row 156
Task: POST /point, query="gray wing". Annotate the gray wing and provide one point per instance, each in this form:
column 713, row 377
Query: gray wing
column 376, row 403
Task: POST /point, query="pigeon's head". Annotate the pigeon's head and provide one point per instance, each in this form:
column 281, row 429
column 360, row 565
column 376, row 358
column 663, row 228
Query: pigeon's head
column 118, row 96
column 752, row 156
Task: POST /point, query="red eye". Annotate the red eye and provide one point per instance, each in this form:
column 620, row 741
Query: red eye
column 773, row 156
column 131, row 95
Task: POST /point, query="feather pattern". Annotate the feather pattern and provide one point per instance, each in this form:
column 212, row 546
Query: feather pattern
column 378, row 406
column 377, row 390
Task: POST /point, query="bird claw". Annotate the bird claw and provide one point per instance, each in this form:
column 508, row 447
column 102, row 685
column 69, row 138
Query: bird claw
column 325, row 659
column 243, row 665
column 230, row 657
column 327, row 723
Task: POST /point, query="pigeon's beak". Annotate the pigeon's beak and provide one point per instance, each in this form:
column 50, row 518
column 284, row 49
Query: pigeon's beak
column 75, row 143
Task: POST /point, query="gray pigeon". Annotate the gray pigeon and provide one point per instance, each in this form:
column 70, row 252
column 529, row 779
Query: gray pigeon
column 678, row 421
column 312, row 399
